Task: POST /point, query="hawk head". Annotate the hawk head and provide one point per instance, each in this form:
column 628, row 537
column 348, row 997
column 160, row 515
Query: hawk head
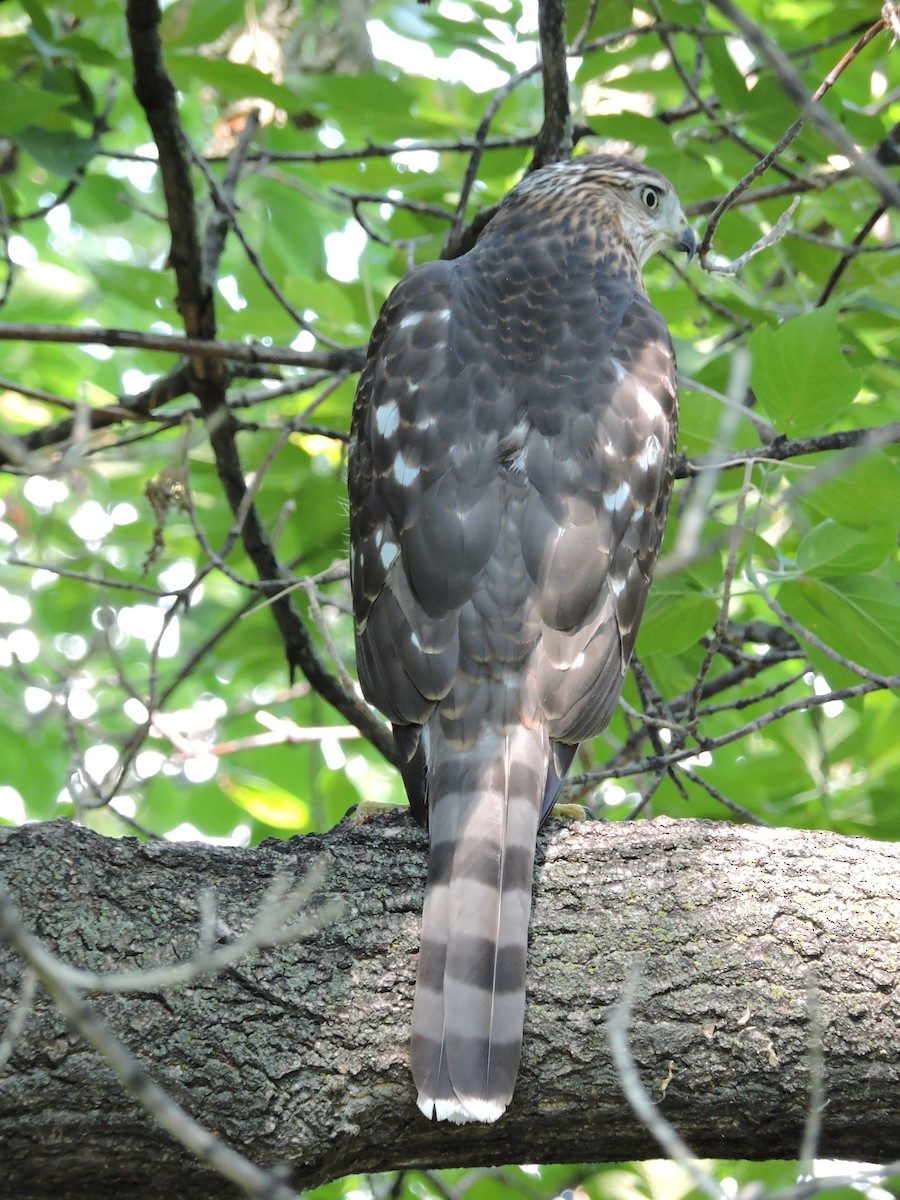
column 638, row 199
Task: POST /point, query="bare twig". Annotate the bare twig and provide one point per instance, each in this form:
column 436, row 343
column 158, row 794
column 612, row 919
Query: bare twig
column 812, row 110
column 782, row 449
column 350, row 359
column 849, row 252
column 884, row 681
column 813, row 1128
column 716, row 266
column 667, row 760
column 277, row 923
column 455, row 241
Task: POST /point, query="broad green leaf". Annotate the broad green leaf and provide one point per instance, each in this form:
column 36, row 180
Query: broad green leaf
column 862, row 495
column 62, row 152
column 730, row 85
column 831, row 549
column 23, row 108
column 800, row 377
column 41, row 28
column 87, row 51
column 859, row 618
column 265, row 801
column 235, row 81
column 197, row 22
column 676, row 617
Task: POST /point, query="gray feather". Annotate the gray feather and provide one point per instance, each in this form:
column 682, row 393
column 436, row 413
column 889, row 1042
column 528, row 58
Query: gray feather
column 511, row 463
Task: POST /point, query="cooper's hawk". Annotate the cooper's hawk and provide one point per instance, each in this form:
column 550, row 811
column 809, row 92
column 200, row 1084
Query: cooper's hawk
column 511, row 464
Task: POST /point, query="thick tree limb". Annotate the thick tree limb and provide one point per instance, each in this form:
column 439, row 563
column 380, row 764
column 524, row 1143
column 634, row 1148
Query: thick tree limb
column 299, row 1055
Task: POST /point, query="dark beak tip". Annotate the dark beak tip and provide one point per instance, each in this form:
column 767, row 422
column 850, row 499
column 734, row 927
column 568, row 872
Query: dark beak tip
column 687, row 242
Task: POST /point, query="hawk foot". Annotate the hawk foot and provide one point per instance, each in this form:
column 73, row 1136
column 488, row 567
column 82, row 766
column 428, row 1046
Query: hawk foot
column 371, row 808
column 571, row 812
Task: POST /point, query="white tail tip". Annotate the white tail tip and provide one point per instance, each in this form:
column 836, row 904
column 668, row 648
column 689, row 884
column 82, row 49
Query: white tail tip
column 461, row 1110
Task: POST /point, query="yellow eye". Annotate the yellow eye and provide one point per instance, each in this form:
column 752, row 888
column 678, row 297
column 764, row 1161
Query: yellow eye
column 650, row 198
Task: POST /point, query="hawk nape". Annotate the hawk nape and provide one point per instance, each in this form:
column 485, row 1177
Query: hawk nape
column 511, row 464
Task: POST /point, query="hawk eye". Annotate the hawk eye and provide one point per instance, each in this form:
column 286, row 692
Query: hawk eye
column 650, row 198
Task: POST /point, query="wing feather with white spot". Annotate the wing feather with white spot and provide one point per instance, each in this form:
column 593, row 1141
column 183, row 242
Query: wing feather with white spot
column 424, row 499
column 625, row 474
column 511, row 462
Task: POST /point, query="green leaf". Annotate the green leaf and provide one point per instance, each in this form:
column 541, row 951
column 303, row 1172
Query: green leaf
column 730, row 85
column 801, row 379
column 22, row 107
column 863, row 495
column 197, row 22
column 264, row 801
column 857, row 617
column 234, row 81
column 61, row 152
column 831, row 549
column 676, row 617
column 41, row 30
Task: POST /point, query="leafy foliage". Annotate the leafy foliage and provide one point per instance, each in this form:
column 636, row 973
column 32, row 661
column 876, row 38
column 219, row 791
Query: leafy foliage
column 145, row 685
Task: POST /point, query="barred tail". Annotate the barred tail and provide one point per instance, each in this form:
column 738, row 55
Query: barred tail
column 484, row 811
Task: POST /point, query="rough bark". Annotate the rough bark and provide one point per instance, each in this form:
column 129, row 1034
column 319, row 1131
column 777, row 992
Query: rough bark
column 298, row 1055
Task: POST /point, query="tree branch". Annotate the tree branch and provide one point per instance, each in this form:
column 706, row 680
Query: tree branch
column 781, row 449
column 810, row 106
column 350, row 359
column 298, row 1055
column 156, row 93
column 554, row 142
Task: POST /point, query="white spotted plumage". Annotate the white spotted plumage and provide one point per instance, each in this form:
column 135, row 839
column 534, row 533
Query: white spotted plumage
column 511, row 463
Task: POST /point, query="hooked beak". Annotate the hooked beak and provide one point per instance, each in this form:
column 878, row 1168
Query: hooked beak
column 686, row 240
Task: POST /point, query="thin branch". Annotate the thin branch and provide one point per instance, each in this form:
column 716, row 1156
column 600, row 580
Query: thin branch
column 811, row 110
column 780, row 450
column 885, row 681
column 714, row 306
column 387, row 150
column 7, row 258
column 419, row 207
column 156, row 94
column 124, row 585
column 111, row 412
column 813, row 1127
column 815, row 183
column 726, row 126
column 665, row 761
column 718, row 266
column 456, row 241
column 276, row 924
column 349, row 359
column 849, row 252
column 143, row 406
column 226, row 217
column 18, row 1017
column 586, row 26
column 733, row 807
column 281, row 731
